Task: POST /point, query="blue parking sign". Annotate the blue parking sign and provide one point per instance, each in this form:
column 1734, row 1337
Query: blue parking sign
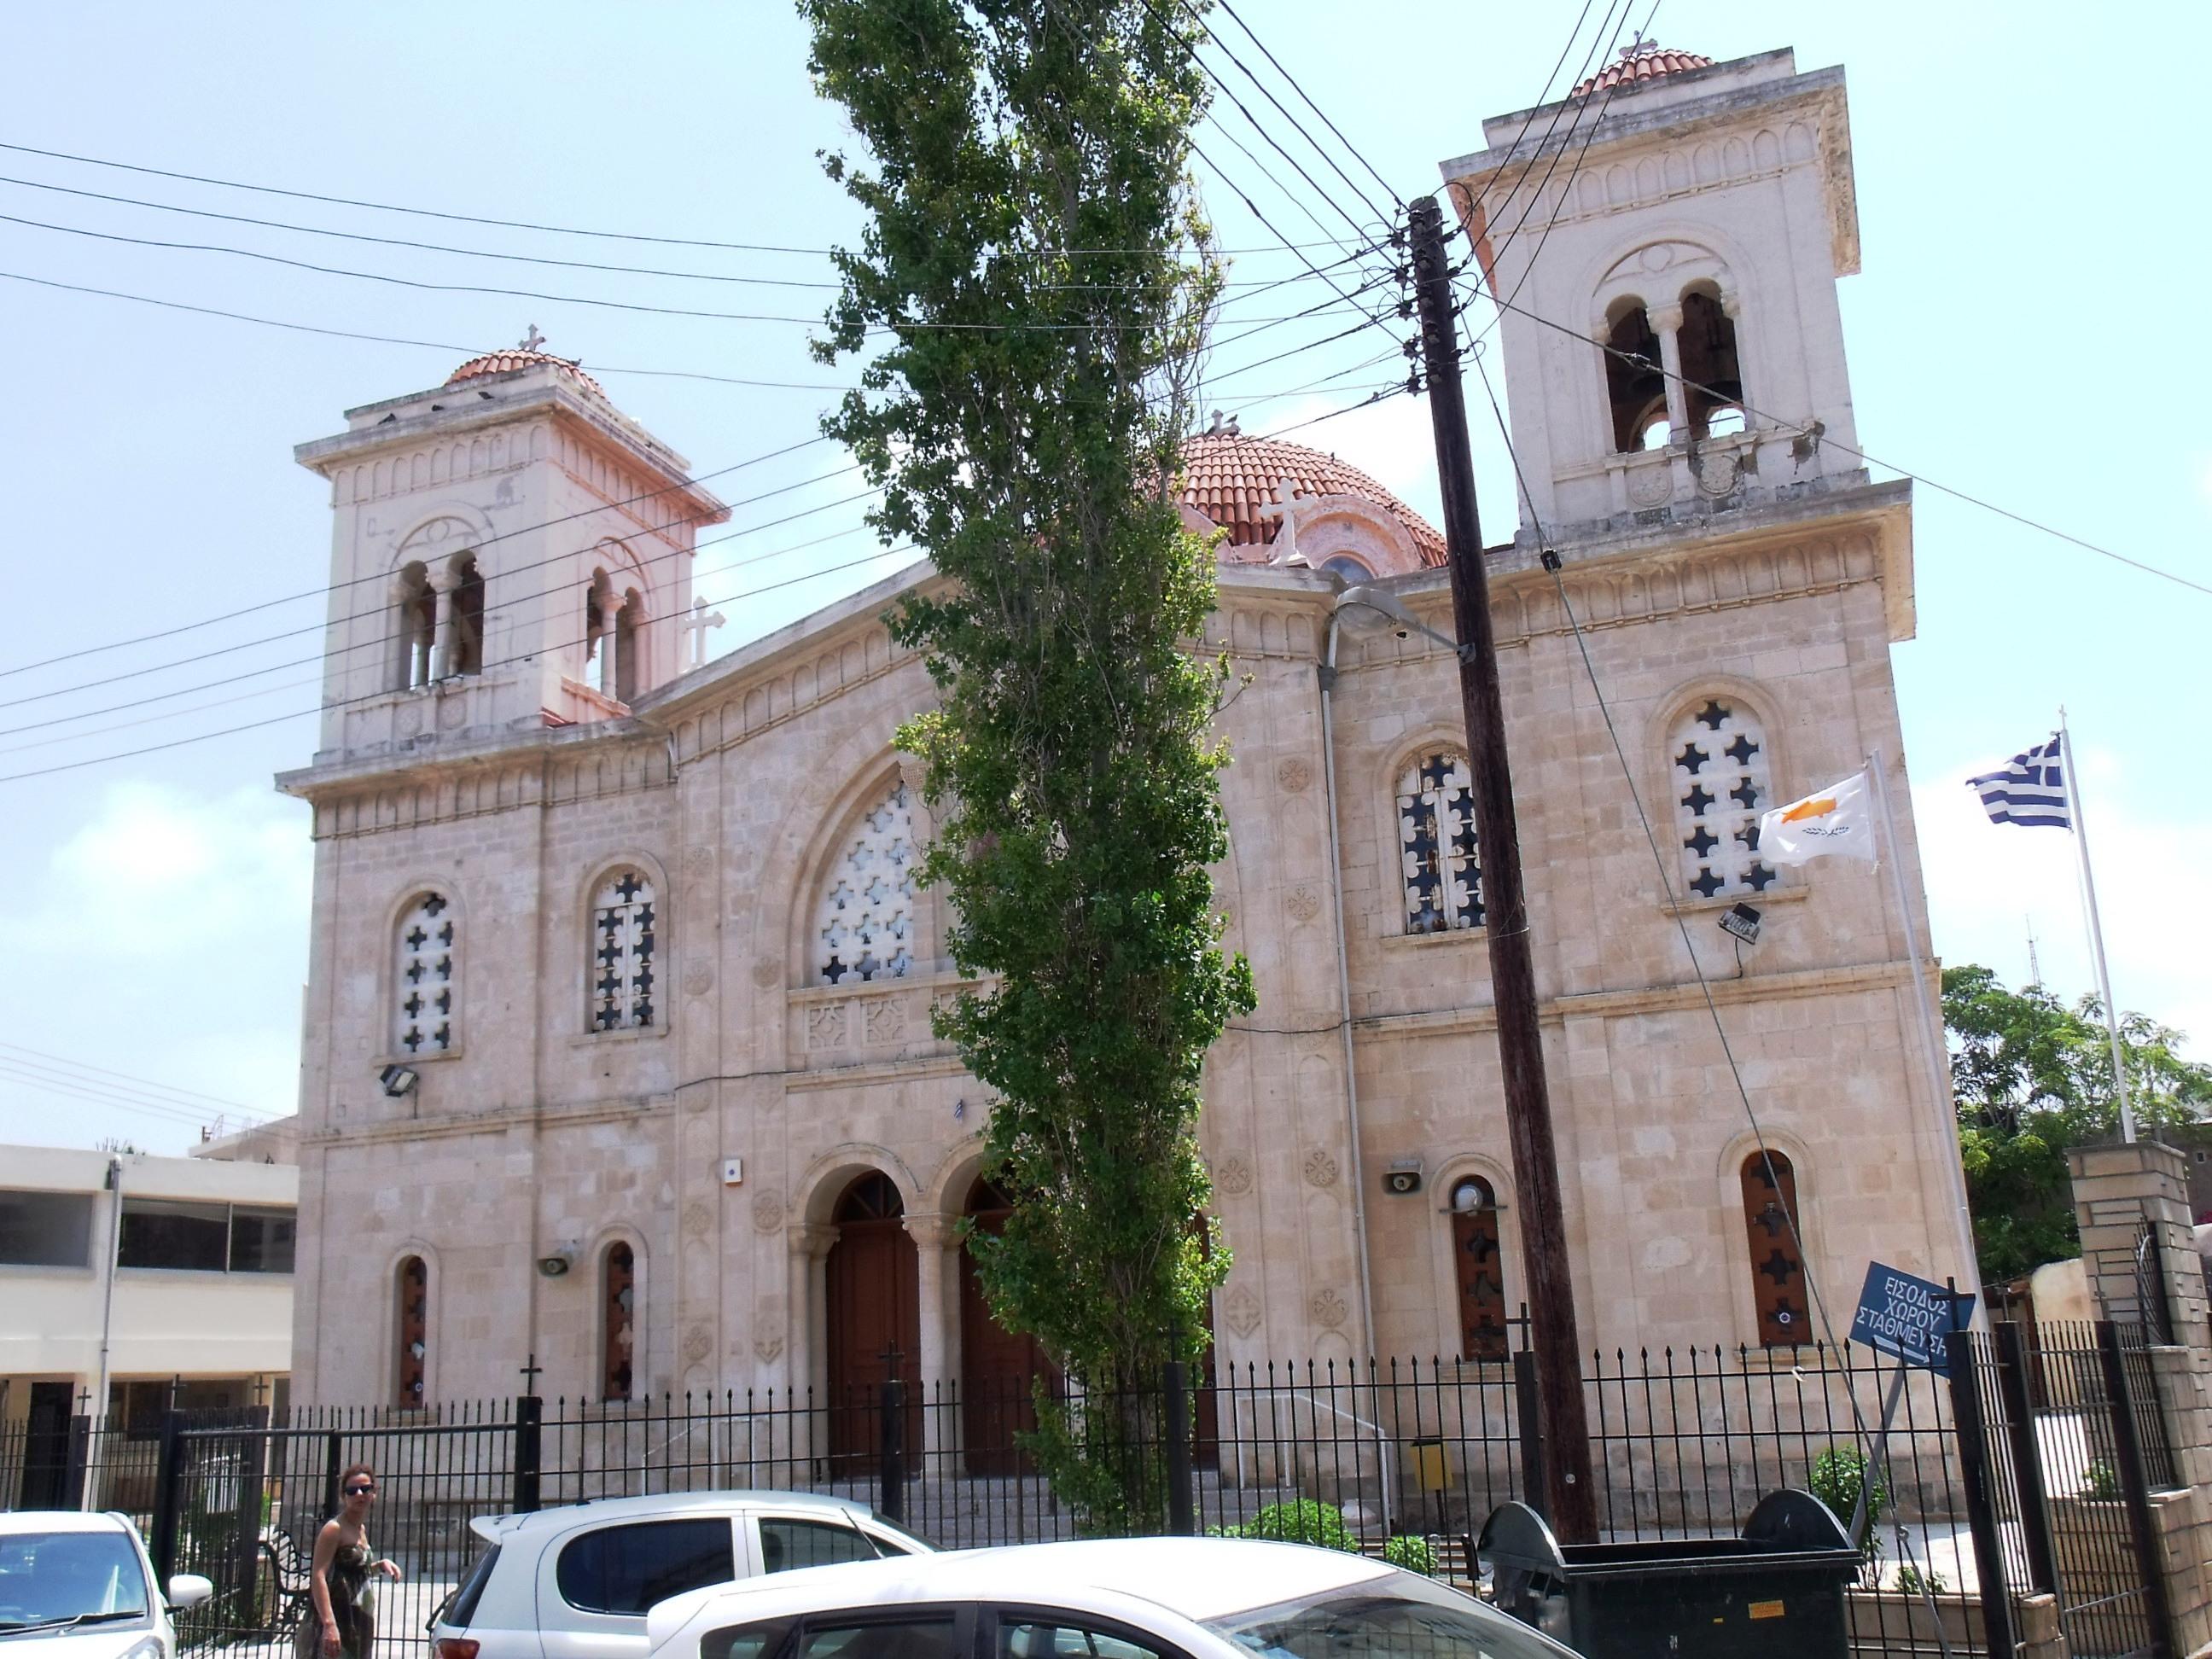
column 1909, row 1318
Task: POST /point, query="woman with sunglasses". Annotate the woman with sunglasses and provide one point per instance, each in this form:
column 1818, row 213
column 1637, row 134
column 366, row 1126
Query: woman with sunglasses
column 342, row 1623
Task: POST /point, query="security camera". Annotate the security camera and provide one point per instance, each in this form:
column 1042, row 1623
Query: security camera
column 555, row 1265
column 1402, row 1182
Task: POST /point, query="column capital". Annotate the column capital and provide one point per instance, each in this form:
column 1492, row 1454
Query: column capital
column 931, row 1231
column 1664, row 318
column 445, row 579
column 810, row 1238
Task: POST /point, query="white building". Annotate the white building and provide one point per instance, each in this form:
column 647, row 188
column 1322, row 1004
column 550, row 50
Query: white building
column 135, row 1280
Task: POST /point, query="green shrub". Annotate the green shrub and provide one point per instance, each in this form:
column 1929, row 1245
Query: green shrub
column 1835, row 1478
column 2100, row 1480
column 1913, row 1581
column 1307, row 1521
column 1413, row 1553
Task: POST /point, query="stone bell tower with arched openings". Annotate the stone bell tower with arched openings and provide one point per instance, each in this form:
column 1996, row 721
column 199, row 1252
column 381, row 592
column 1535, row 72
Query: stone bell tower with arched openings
column 509, row 551
column 1669, row 237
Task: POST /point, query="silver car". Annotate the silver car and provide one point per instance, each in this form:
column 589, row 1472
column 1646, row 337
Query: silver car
column 80, row 1586
column 1135, row 1598
column 575, row 1583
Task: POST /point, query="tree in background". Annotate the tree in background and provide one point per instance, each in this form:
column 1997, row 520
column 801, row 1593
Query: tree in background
column 1027, row 304
column 2032, row 1077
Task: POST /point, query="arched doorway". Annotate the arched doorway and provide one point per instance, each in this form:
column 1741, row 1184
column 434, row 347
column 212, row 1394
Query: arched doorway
column 872, row 1304
column 996, row 1366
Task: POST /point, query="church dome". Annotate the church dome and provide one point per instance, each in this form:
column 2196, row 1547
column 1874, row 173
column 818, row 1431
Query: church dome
column 504, row 362
column 1639, row 62
column 1230, row 480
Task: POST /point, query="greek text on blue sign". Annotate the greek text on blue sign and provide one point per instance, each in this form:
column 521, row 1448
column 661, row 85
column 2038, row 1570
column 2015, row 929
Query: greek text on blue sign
column 1909, row 1318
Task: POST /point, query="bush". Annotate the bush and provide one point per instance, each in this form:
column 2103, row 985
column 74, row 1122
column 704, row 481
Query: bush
column 2099, row 1481
column 1913, row 1581
column 1836, row 1477
column 1307, row 1521
column 1413, row 1553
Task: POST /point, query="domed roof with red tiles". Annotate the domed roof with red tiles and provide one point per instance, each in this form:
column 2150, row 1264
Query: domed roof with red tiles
column 503, row 362
column 1640, row 61
column 1232, row 479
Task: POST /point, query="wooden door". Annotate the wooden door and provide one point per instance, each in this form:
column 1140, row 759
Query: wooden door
column 996, row 1367
column 45, row 1449
column 873, row 1301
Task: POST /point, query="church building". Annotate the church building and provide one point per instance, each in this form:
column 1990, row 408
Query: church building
column 617, row 1029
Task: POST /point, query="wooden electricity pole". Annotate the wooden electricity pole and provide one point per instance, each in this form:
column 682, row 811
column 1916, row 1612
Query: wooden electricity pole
column 1570, row 1501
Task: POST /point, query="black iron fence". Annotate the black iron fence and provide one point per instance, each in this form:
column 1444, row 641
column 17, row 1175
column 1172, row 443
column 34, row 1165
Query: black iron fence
column 2020, row 1490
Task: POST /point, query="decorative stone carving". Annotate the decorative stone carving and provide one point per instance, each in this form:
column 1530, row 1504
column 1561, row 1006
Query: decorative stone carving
column 825, row 1028
column 768, row 1213
column 1241, row 1309
column 699, row 977
column 1321, row 1167
column 1303, row 903
column 698, row 1217
column 1293, row 776
column 882, row 1019
column 1651, row 483
column 864, row 921
column 698, row 1343
column 698, row 862
column 407, row 719
column 768, row 1348
column 1328, row 1310
column 1235, row 1177
column 766, row 971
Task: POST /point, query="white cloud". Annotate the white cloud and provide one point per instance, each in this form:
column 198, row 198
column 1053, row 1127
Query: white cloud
column 175, row 925
column 1989, row 884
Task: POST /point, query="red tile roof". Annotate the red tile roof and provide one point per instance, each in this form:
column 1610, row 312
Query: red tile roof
column 1229, row 478
column 1640, row 63
column 502, row 363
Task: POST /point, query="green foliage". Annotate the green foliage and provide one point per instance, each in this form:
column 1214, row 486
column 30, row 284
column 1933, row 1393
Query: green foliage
column 1306, row 1521
column 1835, row 1479
column 1028, row 301
column 2032, row 1077
column 2100, row 1481
column 1913, row 1581
column 1413, row 1553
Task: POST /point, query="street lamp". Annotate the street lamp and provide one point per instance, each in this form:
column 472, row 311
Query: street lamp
column 1380, row 602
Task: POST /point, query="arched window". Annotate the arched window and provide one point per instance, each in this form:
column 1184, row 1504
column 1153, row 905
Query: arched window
column 416, row 628
column 629, row 649
column 468, row 602
column 1635, row 385
column 623, row 935
column 1712, row 381
column 1348, row 568
column 411, row 1290
column 864, row 925
column 1721, row 788
column 426, row 977
column 618, row 1319
column 1777, row 1264
column 1478, row 1269
column 1441, row 874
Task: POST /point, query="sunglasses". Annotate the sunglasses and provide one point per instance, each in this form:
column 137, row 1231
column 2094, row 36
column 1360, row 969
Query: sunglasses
column 360, row 1492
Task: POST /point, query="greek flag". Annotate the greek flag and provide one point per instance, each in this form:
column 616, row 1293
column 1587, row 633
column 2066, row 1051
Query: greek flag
column 2032, row 790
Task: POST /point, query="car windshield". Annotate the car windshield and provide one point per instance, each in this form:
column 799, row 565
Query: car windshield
column 49, row 1576
column 1366, row 1621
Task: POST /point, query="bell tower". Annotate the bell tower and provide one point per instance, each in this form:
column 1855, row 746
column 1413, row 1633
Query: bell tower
column 1669, row 237
column 508, row 550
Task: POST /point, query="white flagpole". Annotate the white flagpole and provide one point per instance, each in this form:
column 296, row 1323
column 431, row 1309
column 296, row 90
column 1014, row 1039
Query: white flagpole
column 1938, row 1057
column 2096, row 927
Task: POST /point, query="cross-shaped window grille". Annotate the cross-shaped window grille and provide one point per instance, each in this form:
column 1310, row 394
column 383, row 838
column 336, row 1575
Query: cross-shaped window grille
column 1437, row 860
column 622, row 967
column 423, row 1010
column 864, row 923
column 1721, row 788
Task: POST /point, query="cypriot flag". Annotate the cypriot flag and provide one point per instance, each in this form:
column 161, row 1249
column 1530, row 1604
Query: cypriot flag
column 1832, row 820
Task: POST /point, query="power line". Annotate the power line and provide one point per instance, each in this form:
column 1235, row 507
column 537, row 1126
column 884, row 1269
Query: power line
column 519, row 224
column 217, row 1101
column 1316, row 108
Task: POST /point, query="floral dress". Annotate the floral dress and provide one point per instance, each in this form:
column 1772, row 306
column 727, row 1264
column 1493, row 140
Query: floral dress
column 349, row 1606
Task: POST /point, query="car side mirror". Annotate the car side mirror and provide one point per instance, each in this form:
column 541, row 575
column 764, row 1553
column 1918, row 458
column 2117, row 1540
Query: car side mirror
column 189, row 1589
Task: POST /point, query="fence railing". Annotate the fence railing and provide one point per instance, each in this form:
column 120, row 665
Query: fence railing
column 2028, row 1473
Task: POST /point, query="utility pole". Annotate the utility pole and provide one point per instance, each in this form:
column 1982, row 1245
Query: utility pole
column 1570, row 1501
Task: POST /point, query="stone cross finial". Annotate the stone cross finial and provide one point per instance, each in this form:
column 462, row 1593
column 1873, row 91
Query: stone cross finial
column 1288, row 499
column 696, row 625
column 533, row 341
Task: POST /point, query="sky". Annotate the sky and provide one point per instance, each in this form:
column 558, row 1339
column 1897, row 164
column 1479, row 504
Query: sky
column 1997, row 347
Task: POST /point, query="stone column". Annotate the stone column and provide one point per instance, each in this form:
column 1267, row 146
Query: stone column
column 2117, row 1188
column 1667, row 321
column 932, row 1235
column 611, row 606
column 806, row 1352
column 442, row 584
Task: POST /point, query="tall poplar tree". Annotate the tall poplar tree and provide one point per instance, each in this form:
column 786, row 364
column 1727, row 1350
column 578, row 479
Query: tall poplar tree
column 1028, row 301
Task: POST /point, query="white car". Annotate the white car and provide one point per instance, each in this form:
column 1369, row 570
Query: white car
column 576, row 1583
column 1132, row 1598
column 76, row 1586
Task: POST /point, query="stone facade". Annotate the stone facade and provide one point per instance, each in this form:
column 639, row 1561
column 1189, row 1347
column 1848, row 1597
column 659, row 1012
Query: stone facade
column 759, row 805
